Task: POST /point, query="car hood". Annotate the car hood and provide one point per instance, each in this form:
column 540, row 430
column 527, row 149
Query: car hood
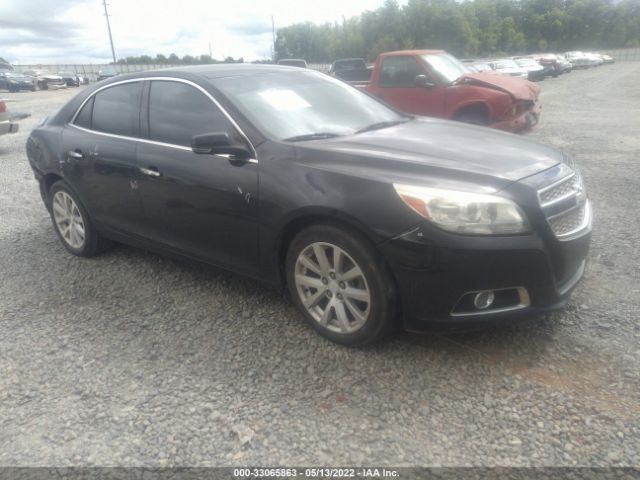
column 51, row 77
column 518, row 88
column 426, row 150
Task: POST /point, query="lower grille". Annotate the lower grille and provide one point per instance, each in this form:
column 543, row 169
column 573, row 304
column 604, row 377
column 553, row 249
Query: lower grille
column 570, row 222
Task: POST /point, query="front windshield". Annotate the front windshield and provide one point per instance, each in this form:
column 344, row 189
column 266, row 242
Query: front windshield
column 286, row 105
column 445, row 66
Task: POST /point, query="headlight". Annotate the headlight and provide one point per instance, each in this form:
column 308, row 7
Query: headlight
column 466, row 213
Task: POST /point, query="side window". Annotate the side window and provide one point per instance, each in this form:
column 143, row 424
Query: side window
column 399, row 72
column 178, row 111
column 84, row 117
column 117, row 109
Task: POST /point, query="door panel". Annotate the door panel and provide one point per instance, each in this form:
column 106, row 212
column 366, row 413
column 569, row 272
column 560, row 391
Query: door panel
column 104, row 172
column 396, row 87
column 202, row 205
column 99, row 156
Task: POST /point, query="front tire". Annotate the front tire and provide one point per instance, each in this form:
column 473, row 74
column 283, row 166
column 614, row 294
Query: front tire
column 336, row 278
column 72, row 223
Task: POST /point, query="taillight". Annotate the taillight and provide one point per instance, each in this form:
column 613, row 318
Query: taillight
column 3, row 106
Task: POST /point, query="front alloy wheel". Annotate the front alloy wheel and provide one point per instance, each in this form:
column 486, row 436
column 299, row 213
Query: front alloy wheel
column 340, row 283
column 332, row 288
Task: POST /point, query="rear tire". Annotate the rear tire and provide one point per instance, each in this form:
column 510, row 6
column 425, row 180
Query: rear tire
column 342, row 287
column 72, row 223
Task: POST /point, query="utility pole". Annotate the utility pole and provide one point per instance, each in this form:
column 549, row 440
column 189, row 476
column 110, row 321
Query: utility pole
column 273, row 40
column 210, row 55
column 106, row 15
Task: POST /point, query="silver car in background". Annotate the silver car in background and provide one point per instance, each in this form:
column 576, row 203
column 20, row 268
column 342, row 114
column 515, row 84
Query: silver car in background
column 534, row 70
column 507, row 66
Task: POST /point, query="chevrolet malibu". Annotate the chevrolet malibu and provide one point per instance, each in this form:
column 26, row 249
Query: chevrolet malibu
column 369, row 218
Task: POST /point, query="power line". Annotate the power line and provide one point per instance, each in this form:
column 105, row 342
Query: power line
column 106, row 15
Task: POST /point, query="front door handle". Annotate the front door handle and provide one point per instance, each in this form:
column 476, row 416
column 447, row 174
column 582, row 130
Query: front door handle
column 151, row 171
column 77, row 154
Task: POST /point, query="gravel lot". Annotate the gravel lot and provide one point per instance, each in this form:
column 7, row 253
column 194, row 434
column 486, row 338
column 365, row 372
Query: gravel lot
column 133, row 359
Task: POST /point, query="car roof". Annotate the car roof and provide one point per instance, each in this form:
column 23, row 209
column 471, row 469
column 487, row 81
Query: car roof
column 212, row 71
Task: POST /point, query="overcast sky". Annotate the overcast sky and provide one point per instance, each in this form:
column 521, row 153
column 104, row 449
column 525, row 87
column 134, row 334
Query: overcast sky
column 75, row 31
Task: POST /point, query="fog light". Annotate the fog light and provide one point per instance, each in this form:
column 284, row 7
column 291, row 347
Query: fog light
column 484, row 300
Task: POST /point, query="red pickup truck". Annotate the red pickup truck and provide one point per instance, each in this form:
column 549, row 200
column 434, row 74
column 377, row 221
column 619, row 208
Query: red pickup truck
column 436, row 84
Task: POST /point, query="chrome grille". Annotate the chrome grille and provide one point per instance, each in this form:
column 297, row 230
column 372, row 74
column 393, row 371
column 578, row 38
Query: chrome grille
column 569, row 222
column 565, row 204
column 566, row 188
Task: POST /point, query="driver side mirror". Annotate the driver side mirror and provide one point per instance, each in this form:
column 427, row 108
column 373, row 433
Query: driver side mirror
column 423, row 81
column 219, row 143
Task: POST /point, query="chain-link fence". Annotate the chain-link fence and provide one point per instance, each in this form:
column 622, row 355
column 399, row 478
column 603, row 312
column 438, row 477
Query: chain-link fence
column 91, row 71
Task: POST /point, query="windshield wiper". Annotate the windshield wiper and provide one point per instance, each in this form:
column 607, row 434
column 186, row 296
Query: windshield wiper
column 379, row 125
column 311, row 136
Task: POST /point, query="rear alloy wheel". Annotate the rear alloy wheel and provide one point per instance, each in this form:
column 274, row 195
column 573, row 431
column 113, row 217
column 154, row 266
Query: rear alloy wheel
column 340, row 285
column 72, row 223
column 68, row 220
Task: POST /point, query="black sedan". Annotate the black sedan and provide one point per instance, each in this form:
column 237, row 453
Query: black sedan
column 369, row 218
column 14, row 82
column 70, row 78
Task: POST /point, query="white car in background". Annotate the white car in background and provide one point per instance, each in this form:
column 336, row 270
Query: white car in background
column 578, row 59
column 46, row 80
column 7, row 125
column 534, row 70
column 507, row 66
column 594, row 58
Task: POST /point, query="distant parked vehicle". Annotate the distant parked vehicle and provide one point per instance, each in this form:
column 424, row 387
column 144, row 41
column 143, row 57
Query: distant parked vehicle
column 293, row 62
column 351, row 70
column 46, row 80
column 595, row 59
column 607, row 58
column 550, row 62
column 565, row 65
column 578, row 59
column 7, row 125
column 14, row 82
column 478, row 66
column 507, row 66
column 534, row 70
column 436, row 84
column 104, row 74
column 70, row 78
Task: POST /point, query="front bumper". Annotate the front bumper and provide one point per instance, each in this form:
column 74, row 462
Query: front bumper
column 8, row 126
column 524, row 121
column 434, row 269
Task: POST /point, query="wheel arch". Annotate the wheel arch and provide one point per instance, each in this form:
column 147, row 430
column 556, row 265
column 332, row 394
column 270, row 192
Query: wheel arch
column 476, row 106
column 304, row 219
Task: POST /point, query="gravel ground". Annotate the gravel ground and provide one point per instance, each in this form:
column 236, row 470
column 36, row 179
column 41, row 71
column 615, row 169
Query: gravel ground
column 133, row 359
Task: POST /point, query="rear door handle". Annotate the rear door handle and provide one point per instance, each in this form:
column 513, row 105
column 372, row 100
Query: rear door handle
column 151, row 171
column 77, row 154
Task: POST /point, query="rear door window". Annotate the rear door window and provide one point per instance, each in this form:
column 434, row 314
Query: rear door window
column 116, row 110
column 84, row 117
column 178, row 111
